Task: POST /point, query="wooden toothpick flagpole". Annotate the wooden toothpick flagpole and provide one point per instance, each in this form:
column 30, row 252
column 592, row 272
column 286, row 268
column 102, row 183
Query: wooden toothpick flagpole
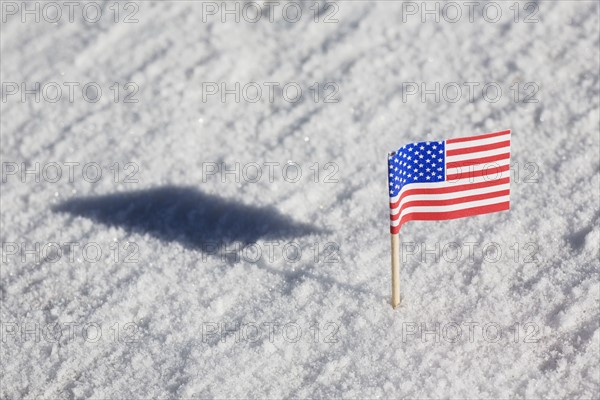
column 395, row 270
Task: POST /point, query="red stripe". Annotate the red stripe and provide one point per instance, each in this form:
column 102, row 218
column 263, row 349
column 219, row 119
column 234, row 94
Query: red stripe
column 475, row 149
column 449, row 202
column 474, row 161
column 458, row 200
column 436, row 216
column 450, row 189
column 484, row 136
column 472, row 174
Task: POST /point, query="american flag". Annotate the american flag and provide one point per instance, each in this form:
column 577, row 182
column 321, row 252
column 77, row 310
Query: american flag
column 449, row 179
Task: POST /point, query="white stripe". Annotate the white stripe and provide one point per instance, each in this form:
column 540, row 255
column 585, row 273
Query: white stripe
column 477, row 142
column 453, row 207
column 479, row 154
column 436, row 185
column 453, row 195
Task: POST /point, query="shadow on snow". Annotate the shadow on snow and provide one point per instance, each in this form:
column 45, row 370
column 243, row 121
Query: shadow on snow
column 186, row 215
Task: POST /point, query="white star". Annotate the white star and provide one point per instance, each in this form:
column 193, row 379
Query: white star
column 428, row 178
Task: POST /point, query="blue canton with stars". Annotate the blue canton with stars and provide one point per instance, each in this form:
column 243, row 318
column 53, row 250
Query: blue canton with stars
column 416, row 162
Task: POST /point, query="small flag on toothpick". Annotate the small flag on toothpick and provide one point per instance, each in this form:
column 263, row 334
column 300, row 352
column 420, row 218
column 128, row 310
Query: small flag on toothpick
column 446, row 179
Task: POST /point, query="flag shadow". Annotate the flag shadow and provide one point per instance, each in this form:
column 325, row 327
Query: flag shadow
column 187, row 216
column 198, row 221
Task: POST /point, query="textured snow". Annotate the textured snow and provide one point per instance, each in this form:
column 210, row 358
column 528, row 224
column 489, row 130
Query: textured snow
column 166, row 305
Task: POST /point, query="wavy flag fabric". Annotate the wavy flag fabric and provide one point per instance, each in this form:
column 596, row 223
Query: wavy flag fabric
column 447, row 179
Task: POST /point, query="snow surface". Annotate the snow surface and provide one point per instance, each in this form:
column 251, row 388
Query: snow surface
column 158, row 316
